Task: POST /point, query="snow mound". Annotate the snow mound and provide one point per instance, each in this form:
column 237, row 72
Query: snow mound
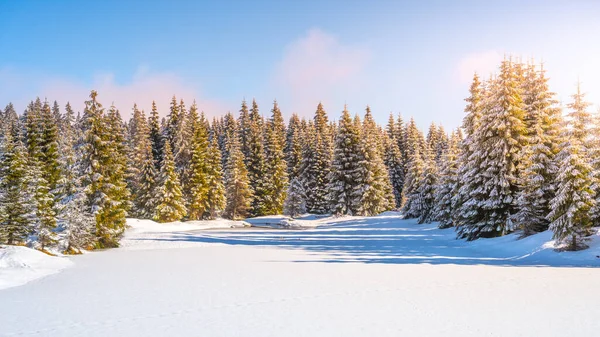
column 19, row 265
column 149, row 226
column 285, row 222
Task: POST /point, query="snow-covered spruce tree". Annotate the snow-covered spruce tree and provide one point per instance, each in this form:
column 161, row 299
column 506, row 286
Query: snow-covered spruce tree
column 276, row 178
column 498, row 142
column 425, row 202
column 197, row 186
column 146, row 199
column 102, row 169
column 347, row 169
column 255, row 162
column 171, row 206
column 468, row 164
column 215, row 197
column 51, row 169
column 67, row 142
column 172, row 123
column 10, row 122
column 572, row 207
column 45, row 215
column 293, row 146
column 316, row 163
column 244, row 124
column 139, row 142
column 395, row 167
column 376, row 194
column 226, row 130
column 537, row 166
column 447, row 184
column 114, row 212
column 295, row 203
column 17, row 206
column 32, row 121
column 237, row 184
column 78, row 224
column 156, row 137
column 182, row 153
column 415, row 173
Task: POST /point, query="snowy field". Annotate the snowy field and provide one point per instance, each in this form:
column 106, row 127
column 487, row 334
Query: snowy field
column 379, row 276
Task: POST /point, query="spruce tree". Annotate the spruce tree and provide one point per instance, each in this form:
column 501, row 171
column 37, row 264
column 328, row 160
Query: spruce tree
column 103, row 169
column 316, row 163
column 447, row 184
column 499, row 140
column 293, row 146
column 276, row 178
column 155, row 136
column 197, row 186
column 572, row 208
column 171, row 206
column 295, row 203
column 237, row 184
column 347, row 169
column 376, row 194
column 255, row 162
column 215, row 197
column 395, row 167
column 16, row 203
column 538, row 167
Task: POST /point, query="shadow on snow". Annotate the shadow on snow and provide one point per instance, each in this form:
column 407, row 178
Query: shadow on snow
column 393, row 241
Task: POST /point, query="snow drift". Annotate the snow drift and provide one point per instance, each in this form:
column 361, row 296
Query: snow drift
column 19, row 265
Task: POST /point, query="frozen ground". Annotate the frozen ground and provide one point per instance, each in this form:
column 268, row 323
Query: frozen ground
column 378, row 276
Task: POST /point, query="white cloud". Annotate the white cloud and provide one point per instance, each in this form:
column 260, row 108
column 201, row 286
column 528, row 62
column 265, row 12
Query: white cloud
column 143, row 87
column 318, row 67
column 484, row 63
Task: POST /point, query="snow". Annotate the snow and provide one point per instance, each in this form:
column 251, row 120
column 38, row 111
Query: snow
column 350, row 276
column 19, row 265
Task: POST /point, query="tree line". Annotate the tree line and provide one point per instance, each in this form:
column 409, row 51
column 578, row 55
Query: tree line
column 70, row 180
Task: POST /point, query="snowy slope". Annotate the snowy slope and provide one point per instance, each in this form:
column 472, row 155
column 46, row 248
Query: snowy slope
column 19, row 265
column 352, row 276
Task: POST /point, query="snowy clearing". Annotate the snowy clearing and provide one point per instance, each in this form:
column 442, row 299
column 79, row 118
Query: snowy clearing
column 379, row 276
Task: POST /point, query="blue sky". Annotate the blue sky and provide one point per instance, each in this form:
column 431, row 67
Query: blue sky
column 416, row 57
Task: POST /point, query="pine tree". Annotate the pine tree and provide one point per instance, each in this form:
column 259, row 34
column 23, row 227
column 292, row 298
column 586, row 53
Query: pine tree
column 498, row 144
column 198, row 183
column 347, row 170
column 542, row 120
column 276, row 178
column 78, row 224
column 237, row 184
column 155, row 136
column 215, row 197
column 295, row 200
column 447, row 184
column 293, row 146
column 182, row 152
column 376, row 194
column 572, row 208
column 67, row 142
column 316, row 163
column 171, row 205
column 395, row 167
column 244, row 125
column 255, row 162
column 102, row 167
column 139, row 143
column 415, row 174
column 16, row 206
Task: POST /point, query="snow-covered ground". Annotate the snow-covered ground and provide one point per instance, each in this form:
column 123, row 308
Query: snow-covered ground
column 378, row 276
column 19, row 265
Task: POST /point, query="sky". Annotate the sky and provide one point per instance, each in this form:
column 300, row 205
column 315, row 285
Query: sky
column 416, row 58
